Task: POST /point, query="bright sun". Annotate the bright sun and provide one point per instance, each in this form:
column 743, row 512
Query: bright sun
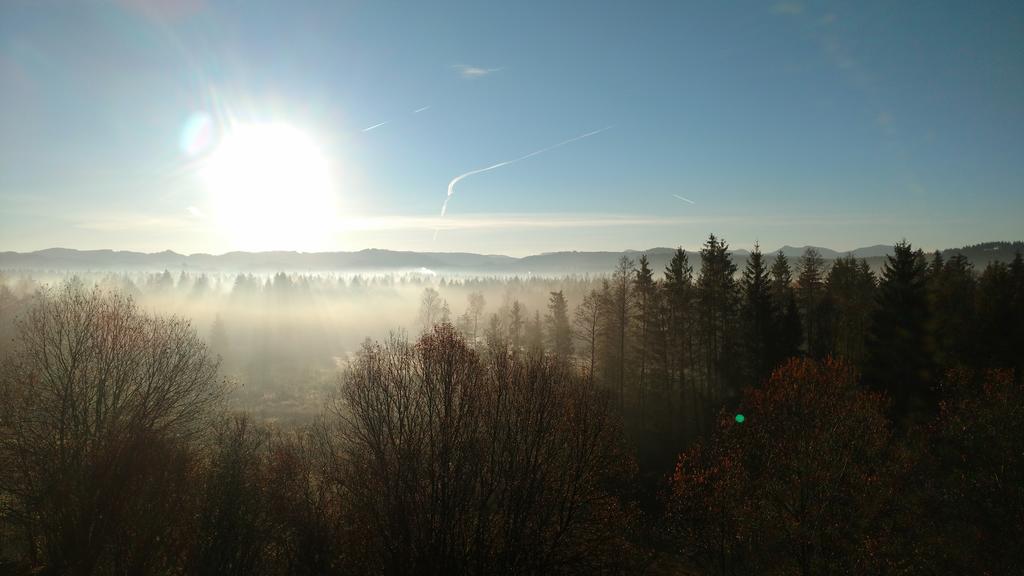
column 270, row 188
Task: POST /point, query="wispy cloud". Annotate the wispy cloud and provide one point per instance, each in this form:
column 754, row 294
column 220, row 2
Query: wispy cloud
column 196, row 212
column 368, row 128
column 454, row 181
column 791, row 8
column 467, row 71
column 677, row 196
column 418, row 110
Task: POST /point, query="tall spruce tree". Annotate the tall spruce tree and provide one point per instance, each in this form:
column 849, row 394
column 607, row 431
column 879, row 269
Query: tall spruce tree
column 786, row 343
column 679, row 295
column 951, row 299
column 516, row 322
column 996, row 324
column 559, row 331
column 619, row 325
column 810, row 292
column 899, row 359
column 849, row 303
column 647, row 308
column 716, row 294
column 757, row 327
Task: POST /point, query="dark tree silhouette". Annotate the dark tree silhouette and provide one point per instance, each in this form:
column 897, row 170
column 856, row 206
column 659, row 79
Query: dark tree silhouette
column 848, row 306
column 810, row 295
column 757, row 327
column 680, row 316
column 899, row 359
column 784, row 310
column 951, row 299
column 717, row 309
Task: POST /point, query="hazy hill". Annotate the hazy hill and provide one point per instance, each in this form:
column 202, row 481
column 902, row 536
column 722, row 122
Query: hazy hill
column 449, row 262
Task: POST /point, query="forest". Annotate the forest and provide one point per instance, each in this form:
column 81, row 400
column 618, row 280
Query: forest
column 790, row 416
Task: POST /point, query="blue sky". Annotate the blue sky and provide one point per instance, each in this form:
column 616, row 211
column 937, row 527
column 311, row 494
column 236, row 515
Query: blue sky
column 784, row 122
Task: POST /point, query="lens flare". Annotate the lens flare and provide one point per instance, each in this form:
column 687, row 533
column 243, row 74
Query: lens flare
column 197, row 134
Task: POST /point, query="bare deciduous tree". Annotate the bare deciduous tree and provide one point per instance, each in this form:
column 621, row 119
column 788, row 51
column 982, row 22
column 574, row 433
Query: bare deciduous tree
column 98, row 404
column 460, row 465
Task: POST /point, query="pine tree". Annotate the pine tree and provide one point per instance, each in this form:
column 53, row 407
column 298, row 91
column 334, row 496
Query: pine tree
column 717, row 297
column 619, row 317
column 850, row 301
column 996, row 324
column 899, row 359
column 516, row 321
column 646, row 306
column 679, row 296
column 756, row 317
column 951, row 300
column 810, row 291
column 786, row 343
column 559, row 332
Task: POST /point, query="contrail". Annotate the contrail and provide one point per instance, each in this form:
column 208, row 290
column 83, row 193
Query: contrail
column 684, row 199
column 376, row 126
column 418, row 110
column 451, row 185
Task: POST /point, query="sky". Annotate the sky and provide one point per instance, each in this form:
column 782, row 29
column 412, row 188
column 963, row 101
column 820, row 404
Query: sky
column 211, row 126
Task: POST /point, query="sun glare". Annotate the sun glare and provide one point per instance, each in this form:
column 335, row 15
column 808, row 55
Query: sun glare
column 270, row 189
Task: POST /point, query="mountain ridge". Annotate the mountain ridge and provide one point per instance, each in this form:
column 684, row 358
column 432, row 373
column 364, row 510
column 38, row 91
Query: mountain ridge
column 380, row 260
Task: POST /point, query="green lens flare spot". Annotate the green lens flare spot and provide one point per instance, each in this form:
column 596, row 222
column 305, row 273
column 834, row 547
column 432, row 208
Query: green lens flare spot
column 740, row 418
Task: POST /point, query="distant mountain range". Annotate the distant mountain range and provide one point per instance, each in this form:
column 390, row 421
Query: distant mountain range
column 64, row 259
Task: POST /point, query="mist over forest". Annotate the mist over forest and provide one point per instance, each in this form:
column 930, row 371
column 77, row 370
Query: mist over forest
column 284, row 333
column 684, row 398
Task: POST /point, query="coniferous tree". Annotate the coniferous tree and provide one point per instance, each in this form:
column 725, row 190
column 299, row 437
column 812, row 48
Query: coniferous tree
column 810, row 292
column 756, row 318
column 899, row 359
column 516, row 321
column 996, row 324
column 679, row 296
column 495, row 334
column 619, row 316
column 647, row 308
column 951, row 300
column 559, row 331
column 786, row 343
column 717, row 297
column 849, row 302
